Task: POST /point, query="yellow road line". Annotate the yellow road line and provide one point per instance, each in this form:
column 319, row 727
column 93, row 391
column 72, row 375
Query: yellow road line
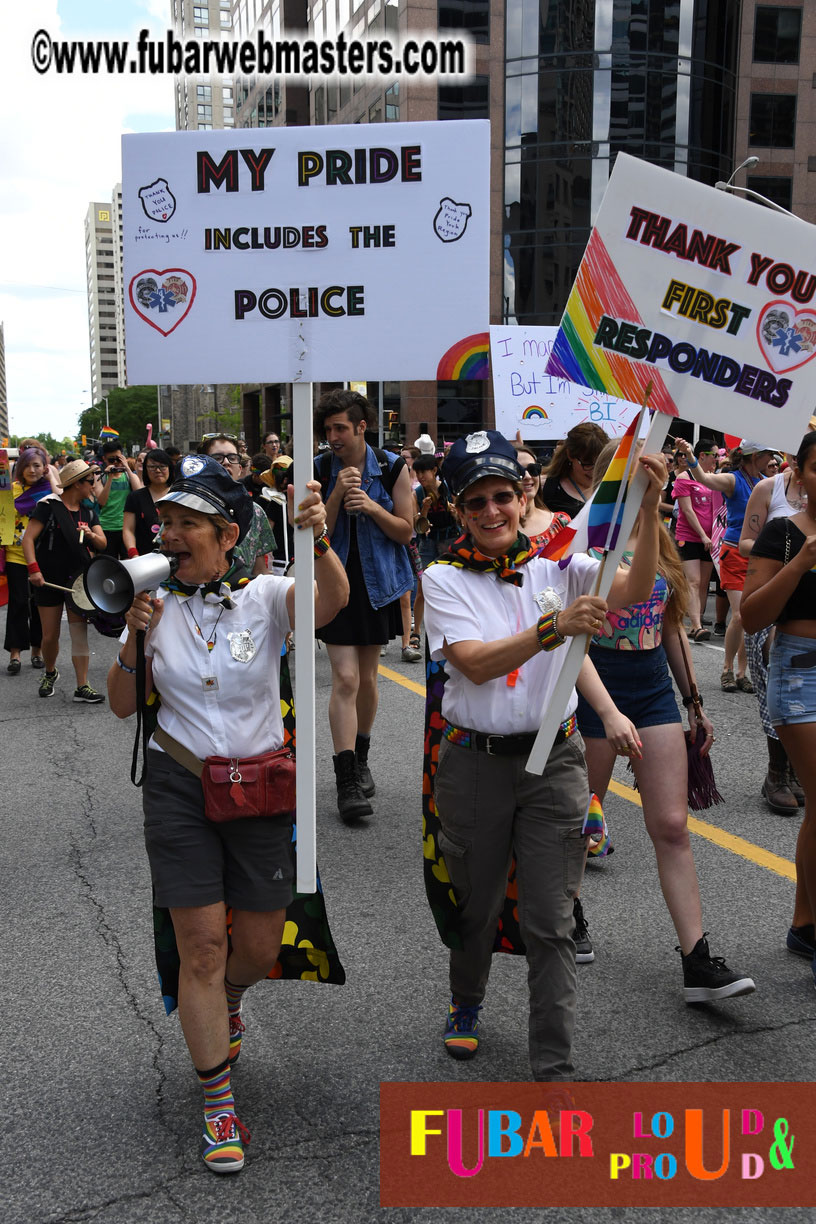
column 727, row 841
column 398, row 679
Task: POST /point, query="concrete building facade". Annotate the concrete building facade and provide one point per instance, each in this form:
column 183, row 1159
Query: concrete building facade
column 776, row 107
column 105, row 325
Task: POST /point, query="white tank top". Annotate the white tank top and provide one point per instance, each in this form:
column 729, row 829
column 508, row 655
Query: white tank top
column 779, row 506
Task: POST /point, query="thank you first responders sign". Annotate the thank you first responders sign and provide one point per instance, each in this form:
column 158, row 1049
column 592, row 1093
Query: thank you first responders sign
column 305, row 254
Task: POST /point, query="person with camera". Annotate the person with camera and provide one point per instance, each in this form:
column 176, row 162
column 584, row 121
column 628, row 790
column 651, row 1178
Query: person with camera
column 119, row 481
column 212, row 653
column 61, row 538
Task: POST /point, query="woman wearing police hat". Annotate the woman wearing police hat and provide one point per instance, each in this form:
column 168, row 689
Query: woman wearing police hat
column 498, row 613
column 212, row 646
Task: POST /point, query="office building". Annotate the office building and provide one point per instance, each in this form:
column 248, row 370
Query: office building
column 776, row 112
column 105, row 326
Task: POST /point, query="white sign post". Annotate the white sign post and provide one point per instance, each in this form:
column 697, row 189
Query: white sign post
column 301, row 255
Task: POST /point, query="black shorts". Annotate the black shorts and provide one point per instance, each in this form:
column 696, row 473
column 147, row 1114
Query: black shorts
column 693, row 550
column 248, row 863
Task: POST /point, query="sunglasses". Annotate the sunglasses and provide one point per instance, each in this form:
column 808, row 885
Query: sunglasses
column 474, row 505
column 230, row 437
column 533, row 469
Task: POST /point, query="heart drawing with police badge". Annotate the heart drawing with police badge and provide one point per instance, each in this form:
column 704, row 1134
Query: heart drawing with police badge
column 162, row 299
column 787, row 337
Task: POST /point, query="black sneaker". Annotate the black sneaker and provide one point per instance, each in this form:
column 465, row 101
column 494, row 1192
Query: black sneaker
column 801, row 941
column 584, row 954
column 707, row 979
column 48, row 682
column 719, row 629
column 88, row 695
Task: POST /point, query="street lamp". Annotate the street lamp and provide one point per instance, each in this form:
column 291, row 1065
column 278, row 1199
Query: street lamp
column 749, row 164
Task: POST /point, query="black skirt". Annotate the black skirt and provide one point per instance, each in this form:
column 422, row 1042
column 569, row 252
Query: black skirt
column 359, row 624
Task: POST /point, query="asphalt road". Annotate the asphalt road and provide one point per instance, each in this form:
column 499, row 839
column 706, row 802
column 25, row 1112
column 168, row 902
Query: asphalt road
column 102, row 1109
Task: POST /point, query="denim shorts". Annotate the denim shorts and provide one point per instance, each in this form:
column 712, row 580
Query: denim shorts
column 791, row 688
column 638, row 682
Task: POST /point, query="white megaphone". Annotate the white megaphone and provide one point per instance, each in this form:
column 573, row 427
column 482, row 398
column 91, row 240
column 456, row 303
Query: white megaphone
column 112, row 585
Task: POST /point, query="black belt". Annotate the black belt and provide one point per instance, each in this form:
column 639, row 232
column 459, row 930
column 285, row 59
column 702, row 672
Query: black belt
column 504, row 745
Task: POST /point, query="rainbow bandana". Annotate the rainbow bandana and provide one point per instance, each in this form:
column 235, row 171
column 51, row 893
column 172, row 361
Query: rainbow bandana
column 465, row 555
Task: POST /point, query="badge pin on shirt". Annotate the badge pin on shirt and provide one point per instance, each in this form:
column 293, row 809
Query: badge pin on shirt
column 548, row 600
column 242, row 647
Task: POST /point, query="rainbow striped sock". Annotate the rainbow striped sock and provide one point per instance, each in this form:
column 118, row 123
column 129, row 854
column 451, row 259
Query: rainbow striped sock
column 218, row 1098
column 235, row 994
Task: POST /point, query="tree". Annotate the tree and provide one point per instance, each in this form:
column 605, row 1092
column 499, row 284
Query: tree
column 130, row 410
column 47, row 441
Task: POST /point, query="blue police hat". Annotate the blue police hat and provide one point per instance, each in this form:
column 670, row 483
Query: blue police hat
column 205, row 485
column 486, row 453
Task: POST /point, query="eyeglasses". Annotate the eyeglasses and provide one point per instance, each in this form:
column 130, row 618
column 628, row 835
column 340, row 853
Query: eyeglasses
column 474, row 505
column 156, row 467
column 534, row 469
column 222, row 459
column 272, row 442
column 588, row 467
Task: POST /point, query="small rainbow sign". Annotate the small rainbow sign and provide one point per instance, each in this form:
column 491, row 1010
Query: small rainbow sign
column 534, row 413
column 468, row 358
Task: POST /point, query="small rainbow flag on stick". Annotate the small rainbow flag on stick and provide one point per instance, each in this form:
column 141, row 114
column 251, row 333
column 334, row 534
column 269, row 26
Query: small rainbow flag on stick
column 107, row 431
column 598, row 522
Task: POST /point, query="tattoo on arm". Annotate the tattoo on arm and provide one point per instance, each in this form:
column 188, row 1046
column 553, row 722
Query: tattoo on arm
column 753, row 522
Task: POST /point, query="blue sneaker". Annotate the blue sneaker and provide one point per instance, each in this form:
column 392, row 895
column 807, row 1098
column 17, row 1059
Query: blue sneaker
column 462, row 1032
column 802, row 941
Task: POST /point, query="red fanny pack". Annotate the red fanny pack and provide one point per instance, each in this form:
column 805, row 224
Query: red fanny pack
column 256, row 786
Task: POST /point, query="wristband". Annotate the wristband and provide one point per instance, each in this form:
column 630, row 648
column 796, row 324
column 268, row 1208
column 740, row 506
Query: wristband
column 132, row 552
column 692, row 699
column 33, row 568
column 131, row 671
column 322, row 545
column 547, row 629
column 695, row 464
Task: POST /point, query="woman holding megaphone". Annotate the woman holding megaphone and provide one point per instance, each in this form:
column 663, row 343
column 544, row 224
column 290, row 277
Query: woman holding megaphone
column 212, row 646
column 60, row 540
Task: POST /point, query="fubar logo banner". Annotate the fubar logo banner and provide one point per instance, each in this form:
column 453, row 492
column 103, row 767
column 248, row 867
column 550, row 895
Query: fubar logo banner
column 597, row 1145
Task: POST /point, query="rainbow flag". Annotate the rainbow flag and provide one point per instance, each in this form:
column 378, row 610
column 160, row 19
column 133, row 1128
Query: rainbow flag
column 598, row 522
column 107, row 431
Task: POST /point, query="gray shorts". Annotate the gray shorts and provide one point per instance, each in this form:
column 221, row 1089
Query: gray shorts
column 248, row 864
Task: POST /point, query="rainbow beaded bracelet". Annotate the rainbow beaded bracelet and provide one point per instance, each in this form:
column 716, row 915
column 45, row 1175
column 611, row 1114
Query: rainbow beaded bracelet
column 547, row 629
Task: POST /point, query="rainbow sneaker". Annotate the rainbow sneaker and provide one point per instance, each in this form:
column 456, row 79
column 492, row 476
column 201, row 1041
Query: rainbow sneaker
column 461, row 1035
column 224, row 1139
column 237, row 1028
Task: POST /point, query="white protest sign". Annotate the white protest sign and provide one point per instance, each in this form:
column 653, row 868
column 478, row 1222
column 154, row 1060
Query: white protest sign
column 541, row 405
column 306, row 253
column 710, row 297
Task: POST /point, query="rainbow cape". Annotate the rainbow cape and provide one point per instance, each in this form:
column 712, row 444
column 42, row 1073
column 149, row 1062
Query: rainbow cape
column 597, row 524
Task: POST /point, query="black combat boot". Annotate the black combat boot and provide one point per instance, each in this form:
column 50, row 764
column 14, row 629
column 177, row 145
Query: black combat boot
column 361, row 747
column 351, row 802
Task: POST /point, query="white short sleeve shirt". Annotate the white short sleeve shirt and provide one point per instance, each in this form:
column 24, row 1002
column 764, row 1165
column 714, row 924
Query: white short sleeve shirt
column 463, row 605
column 223, row 702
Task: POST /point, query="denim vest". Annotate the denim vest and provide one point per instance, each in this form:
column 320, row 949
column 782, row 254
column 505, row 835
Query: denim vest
column 386, row 569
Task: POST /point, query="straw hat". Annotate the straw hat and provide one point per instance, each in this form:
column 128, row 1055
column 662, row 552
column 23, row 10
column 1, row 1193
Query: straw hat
column 74, row 471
